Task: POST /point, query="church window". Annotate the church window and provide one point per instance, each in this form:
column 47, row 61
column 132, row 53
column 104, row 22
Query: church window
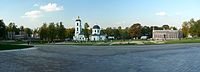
column 77, row 24
column 77, row 29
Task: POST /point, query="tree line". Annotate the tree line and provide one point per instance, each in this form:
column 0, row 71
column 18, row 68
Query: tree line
column 191, row 28
column 52, row 32
column 57, row 32
column 8, row 32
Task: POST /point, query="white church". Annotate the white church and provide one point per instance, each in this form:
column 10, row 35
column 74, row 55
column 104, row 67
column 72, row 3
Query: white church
column 79, row 33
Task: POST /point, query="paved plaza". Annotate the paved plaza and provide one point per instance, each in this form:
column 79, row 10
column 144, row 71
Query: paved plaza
column 64, row 58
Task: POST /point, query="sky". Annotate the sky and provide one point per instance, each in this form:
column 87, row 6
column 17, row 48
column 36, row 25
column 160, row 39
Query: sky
column 105, row 13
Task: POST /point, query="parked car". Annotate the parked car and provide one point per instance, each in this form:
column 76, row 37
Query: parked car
column 144, row 37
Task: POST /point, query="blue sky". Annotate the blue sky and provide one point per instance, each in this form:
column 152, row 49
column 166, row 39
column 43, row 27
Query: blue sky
column 106, row 13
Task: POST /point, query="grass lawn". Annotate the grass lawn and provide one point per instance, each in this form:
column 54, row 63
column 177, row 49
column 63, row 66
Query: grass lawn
column 10, row 47
column 183, row 41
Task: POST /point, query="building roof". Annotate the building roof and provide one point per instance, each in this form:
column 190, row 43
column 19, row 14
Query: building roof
column 78, row 19
column 165, row 31
column 96, row 27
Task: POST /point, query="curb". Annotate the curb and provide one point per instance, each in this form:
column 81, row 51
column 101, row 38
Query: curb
column 14, row 50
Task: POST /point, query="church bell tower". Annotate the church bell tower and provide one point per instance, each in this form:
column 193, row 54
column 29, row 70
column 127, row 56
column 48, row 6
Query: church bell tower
column 78, row 27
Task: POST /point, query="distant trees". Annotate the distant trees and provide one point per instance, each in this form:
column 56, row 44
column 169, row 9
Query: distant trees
column 43, row 32
column 28, row 32
column 191, row 27
column 2, row 30
column 86, row 30
column 11, row 29
column 52, row 32
column 56, row 31
column 135, row 30
column 185, row 29
column 69, row 33
column 166, row 27
column 61, row 31
column 147, row 31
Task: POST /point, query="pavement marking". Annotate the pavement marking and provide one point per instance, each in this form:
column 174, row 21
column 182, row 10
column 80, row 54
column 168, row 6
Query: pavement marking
column 32, row 48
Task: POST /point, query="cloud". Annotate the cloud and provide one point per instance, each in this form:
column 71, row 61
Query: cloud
column 161, row 14
column 51, row 7
column 33, row 14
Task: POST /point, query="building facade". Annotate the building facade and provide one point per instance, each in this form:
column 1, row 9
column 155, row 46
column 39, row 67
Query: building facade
column 79, row 34
column 166, row 34
column 96, row 34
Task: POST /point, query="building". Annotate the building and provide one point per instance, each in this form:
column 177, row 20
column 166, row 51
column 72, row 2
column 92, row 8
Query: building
column 166, row 34
column 96, row 34
column 79, row 34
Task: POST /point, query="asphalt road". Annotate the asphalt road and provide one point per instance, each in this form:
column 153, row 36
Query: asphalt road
column 62, row 58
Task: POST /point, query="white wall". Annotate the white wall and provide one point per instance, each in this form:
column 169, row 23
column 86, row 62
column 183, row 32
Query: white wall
column 78, row 28
column 96, row 31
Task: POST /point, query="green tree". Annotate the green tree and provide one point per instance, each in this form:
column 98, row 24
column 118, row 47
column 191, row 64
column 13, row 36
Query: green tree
column 69, row 33
column 135, row 30
column 185, row 29
column 173, row 28
column 193, row 27
column 2, row 30
column 51, row 32
column 166, row 27
column 86, row 30
column 28, row 32
column 109, row 31
column 12, row 29
column 43, row 32
column 146, row 31
column 120, row 32
column 61, row 31
column 116, row 33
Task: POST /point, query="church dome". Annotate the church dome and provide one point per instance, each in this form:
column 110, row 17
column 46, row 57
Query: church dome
column 78, row 19
column 96, row 27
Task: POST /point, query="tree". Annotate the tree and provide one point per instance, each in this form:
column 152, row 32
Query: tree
column 120, row 32
column 146, row 31
column 51, row 32
column 61, row 31
column 166, row 27
column 116, row 33
column 109, row 31
column 12, row 29
column 28, row 32
column 135, row 30
column 173, row 28
column 125, row 33
column 43, row 32
column 156, row 28
column 86, row 30
column 69, row 33
column 185, row 29
column 2, row 30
